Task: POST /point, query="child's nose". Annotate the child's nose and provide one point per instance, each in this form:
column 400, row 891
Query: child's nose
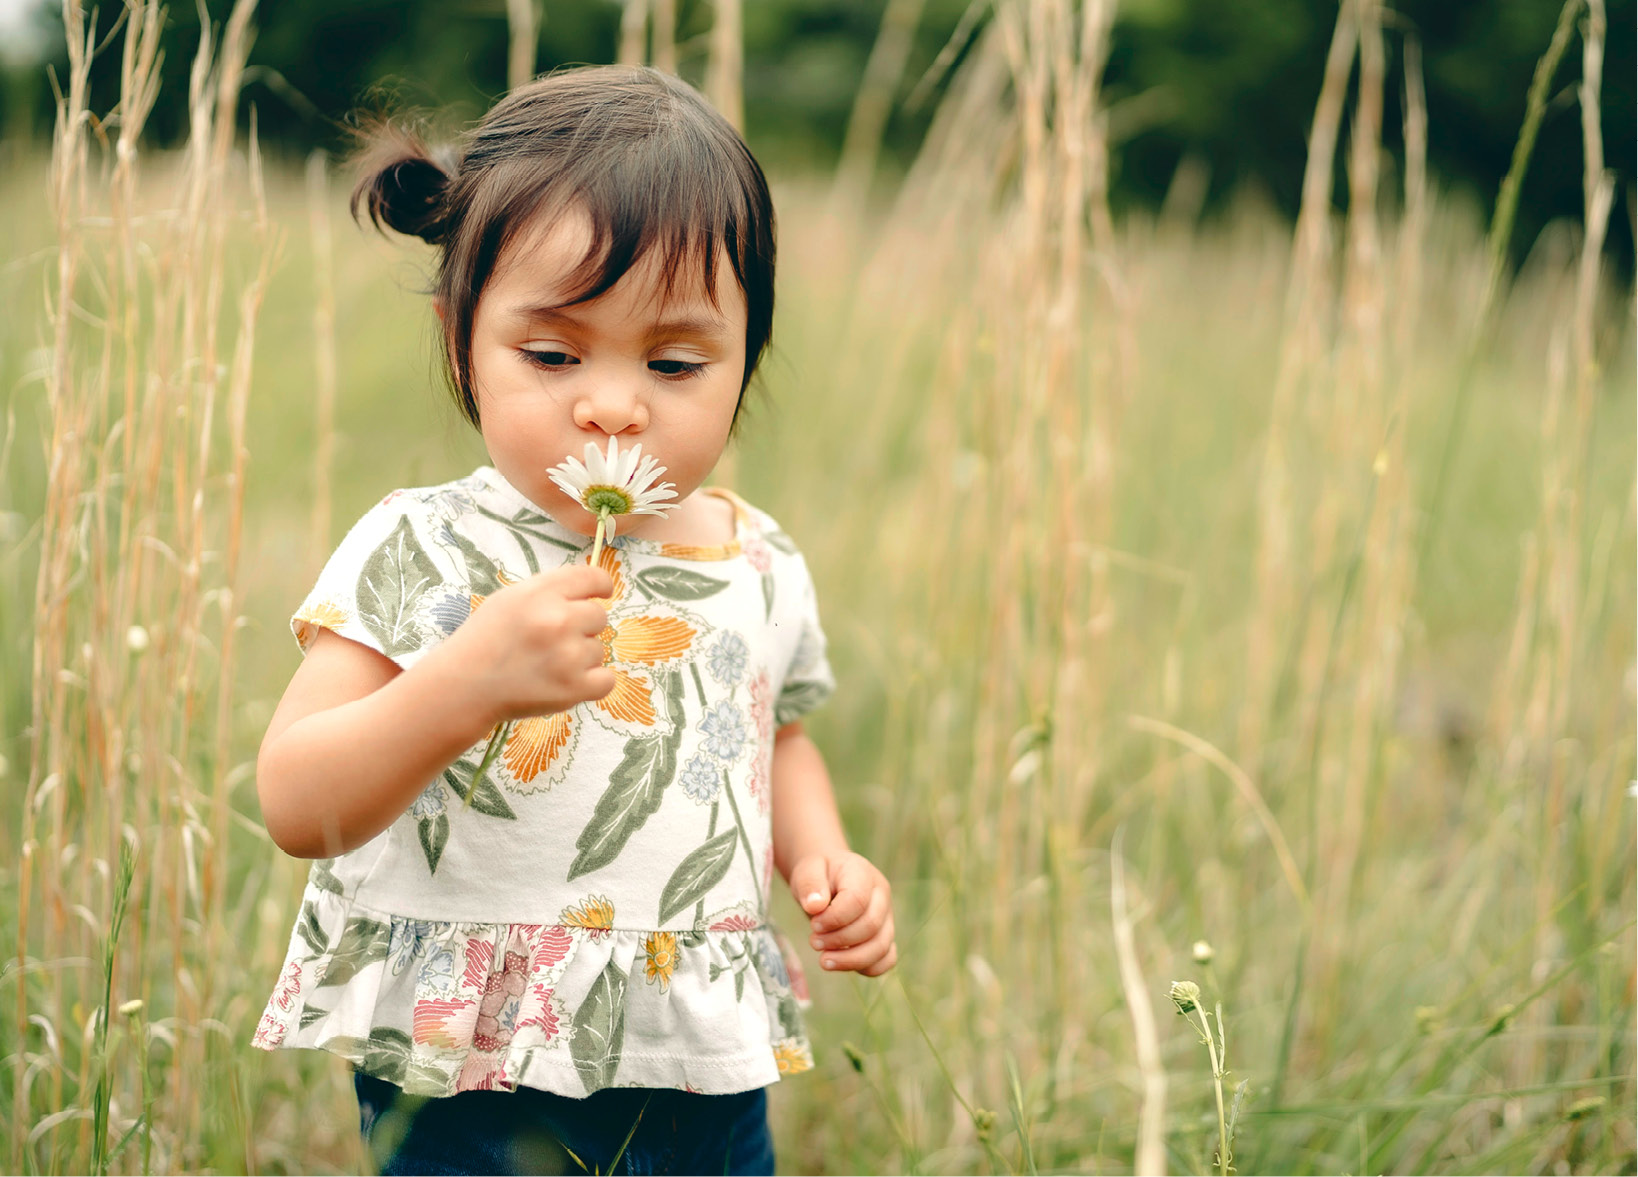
column 613, row 408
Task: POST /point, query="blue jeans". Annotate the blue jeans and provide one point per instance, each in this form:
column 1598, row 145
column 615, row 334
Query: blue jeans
column 531, row 1131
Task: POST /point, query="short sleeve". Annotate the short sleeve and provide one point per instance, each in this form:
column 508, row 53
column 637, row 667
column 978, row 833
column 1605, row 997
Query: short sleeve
column 808, row 681
column 382, row 586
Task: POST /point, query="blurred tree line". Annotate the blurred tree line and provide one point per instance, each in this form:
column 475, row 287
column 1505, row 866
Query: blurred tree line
column 1227, row 89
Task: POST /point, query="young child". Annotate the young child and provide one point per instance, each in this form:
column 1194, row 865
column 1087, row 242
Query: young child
column 571, row 952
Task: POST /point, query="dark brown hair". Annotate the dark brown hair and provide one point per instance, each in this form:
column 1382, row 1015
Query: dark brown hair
column 640, row 151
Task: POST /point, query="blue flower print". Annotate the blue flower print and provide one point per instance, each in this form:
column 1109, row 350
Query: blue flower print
column 430, row 803
column 439, row 970
column 727, row 658
column 725, row 731
column 772, row 961
column 409, row 940
column 702, row 778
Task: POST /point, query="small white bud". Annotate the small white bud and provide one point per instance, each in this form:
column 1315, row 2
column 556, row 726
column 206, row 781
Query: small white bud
column 131, row 1008
column 1202, row 952
column 136, row 639
column 1186, row 996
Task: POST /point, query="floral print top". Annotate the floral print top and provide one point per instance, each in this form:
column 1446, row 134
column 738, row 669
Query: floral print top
column 593, row 912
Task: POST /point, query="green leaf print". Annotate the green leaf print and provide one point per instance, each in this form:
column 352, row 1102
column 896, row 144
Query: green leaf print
column 363, row 940
column 482, row 577
column 394, row 579
column 434, row 833
column 797, row 700
column 322, row 877
column 680, row 584
column 698, row 873
column 599, row 1029
column 778, row 539
column 767, row 594
column 311, row 1014
column 307, row 925
column 486, row 799
column 631, row 799
column 384, row 1054
column 790, row 1016
column 635, row 787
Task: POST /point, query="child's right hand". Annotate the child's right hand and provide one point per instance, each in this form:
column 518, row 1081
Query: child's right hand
column 533, row 647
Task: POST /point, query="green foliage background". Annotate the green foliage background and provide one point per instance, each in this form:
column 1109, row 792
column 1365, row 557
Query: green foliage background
column 1228, row 84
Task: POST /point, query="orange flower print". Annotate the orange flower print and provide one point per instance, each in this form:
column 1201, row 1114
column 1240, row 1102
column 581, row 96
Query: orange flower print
column 792, row 1056
column 535, row 752
column 594, row 913
column 661, row 948
column 312, row 618
column 640, row 635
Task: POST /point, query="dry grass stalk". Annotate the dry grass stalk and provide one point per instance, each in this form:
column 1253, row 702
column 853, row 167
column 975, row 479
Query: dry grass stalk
column 874, row 102
column 133, row 562
column 324, row 352
column 1150, row 1153
column 523, row 28
column 724, row 74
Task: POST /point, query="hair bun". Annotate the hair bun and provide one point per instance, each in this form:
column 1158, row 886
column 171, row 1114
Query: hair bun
column 403, row 187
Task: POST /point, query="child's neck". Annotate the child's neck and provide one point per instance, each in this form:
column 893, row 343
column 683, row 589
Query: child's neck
column 703, row 519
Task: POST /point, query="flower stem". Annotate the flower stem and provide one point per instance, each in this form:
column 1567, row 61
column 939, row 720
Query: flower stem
column 1217, row 1073
column 498, row 740
column 603, row 521
column 491, row 750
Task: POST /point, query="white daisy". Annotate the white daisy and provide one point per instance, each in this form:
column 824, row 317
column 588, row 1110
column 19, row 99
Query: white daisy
column 614, row 483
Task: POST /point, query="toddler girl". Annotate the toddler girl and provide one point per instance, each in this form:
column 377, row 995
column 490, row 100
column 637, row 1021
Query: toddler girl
column 568, row 951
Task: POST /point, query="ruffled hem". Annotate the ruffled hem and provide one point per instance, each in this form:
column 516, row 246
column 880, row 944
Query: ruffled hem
column 439, row 1007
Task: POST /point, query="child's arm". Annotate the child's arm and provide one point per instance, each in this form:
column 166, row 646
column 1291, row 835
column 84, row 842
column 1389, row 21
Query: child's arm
column 355, row 739
column 848, row 901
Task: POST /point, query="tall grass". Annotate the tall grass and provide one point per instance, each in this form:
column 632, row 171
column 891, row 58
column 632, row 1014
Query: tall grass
column 1121, row 531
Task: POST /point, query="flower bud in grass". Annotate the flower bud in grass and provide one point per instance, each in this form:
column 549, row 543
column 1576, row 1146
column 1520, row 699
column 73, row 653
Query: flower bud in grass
column 984, row 1122
column 132, row 1008
column 136, row 639
column 854, row 1057
column 1427, row 1019
column 1501, row 1018
column 1202, row 952
column 1186, row 996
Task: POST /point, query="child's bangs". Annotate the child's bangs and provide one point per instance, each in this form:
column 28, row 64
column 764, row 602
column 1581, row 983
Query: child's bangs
column 650, row 219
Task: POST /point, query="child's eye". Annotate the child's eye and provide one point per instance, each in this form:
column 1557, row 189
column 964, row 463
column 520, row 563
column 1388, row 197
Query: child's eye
column 675, row 369
column 549, row 359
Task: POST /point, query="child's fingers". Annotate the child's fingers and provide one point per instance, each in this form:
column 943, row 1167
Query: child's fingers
column 861, row 929
column 847, row 906
column 581, row 581
column 882, row 965
column 862, row 956
column 810, row 883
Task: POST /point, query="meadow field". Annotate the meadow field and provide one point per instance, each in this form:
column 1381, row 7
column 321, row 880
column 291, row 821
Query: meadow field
column 1213, row 600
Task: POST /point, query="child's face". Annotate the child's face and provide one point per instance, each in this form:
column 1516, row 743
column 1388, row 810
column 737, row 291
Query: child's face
column 549, row 378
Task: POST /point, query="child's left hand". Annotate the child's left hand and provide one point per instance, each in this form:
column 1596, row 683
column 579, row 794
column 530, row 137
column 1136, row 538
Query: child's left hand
column 849, row 905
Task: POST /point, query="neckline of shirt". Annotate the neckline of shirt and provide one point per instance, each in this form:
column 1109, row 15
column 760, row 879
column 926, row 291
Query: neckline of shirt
column 499, row 483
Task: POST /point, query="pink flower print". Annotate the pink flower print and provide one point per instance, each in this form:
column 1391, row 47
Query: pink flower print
column 270, row 1031
column 757, row 782
column 757, row 553
column 483, row 1072
column 499, row 1007
column 548, row 1018
column 552, row 944
column 478, row 955
column 762, row 715
column 284, row 996
column 737, row 922
column 443, row 1022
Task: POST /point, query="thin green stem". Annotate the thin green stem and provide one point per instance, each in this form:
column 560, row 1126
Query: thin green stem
column 1217, row 1083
